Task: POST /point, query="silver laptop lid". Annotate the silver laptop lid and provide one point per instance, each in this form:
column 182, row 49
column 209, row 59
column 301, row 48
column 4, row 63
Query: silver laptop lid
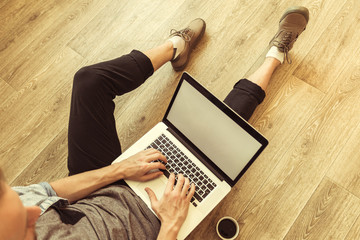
column 224, row 140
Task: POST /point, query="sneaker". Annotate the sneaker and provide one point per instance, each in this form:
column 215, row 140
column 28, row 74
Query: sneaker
column 192, row 34
column 292, row 23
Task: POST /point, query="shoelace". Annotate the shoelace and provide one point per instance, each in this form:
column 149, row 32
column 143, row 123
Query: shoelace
column 185, row 34
column 284, row 44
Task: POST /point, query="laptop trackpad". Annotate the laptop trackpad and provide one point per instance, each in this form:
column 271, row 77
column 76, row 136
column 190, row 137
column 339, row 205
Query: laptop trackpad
column 157, row 185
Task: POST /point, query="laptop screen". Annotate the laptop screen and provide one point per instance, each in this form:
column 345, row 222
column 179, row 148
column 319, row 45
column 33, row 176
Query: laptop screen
column 205, row 121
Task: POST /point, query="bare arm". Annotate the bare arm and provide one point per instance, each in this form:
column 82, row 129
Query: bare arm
column 135, row 168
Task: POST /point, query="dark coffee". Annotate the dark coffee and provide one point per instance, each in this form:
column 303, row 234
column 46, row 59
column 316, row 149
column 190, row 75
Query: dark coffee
column 227, row 228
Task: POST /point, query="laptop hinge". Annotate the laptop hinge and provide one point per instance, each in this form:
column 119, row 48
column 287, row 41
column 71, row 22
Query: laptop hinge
column 196, row 153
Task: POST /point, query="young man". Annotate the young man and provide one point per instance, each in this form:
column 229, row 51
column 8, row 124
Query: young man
column 92, row 203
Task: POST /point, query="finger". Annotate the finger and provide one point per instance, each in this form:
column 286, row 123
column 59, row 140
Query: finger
column 185, row 188
column 151, row 176
column 152, row 197
column 159, row 156
column 180, row 183
column 170, row 183
column 191, row 192
column 163, row 158
column 155, row 156
column 156, row 165
column 150, row 150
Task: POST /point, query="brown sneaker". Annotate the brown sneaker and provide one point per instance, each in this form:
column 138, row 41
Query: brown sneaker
column 192, row 34
column 292, row 23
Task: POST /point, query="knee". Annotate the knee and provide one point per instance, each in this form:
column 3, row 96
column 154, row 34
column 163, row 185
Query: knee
column 87, row 81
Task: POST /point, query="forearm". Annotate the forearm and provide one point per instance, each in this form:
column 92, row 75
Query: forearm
column 81, row 185
column 134, row 168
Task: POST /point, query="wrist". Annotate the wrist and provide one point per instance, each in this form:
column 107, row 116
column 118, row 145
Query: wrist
column 115, row 172
column 168, row 231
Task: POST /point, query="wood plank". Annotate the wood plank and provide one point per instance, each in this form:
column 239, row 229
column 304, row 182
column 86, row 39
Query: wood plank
column 346, row 169
column 118, row 25
column 6, row 91
column 27, row 128
column 322, row 66
column 49, row 165
column 25, row 22
column 302, row 167
column 354, row 233
column 329, row 214
column 20, row 17
column 3, row 4
column 68, row 21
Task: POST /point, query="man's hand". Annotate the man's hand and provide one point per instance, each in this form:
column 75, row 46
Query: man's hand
column 173, row 207
column 137, row 167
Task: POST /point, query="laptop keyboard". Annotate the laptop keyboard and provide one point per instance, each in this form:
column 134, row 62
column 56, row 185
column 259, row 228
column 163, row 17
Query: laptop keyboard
column 178, row 162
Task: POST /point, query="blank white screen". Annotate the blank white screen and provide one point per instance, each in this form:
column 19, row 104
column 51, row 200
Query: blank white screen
column 221, row 139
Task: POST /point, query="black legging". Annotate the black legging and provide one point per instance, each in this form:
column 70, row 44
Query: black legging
column 92, row 138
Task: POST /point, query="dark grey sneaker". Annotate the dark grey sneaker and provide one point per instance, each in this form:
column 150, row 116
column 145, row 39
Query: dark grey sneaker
column 292, row 23
column 191, row 34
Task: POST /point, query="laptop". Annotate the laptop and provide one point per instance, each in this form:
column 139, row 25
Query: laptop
column 203, row 139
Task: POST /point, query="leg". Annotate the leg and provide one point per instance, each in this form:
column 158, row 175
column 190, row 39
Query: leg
column 178, row 48
column 160, row 55
column 262, row 75
column 92, row 137
column 247, row 94
column 245, row 97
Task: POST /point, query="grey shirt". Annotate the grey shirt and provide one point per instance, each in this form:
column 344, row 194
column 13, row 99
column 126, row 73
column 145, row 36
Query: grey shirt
column 113, row 212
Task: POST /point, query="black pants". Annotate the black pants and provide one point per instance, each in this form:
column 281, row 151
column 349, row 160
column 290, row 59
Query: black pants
column 92, row 138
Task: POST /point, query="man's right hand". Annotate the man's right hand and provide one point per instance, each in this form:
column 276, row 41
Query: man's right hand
column 173, row 207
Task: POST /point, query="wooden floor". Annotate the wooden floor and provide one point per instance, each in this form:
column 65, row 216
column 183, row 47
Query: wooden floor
column 305, row 185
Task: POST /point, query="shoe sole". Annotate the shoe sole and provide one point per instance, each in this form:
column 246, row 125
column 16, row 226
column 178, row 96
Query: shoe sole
column 192, row 47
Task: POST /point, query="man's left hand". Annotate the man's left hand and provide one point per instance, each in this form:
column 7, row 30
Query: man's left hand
column 139, row 166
